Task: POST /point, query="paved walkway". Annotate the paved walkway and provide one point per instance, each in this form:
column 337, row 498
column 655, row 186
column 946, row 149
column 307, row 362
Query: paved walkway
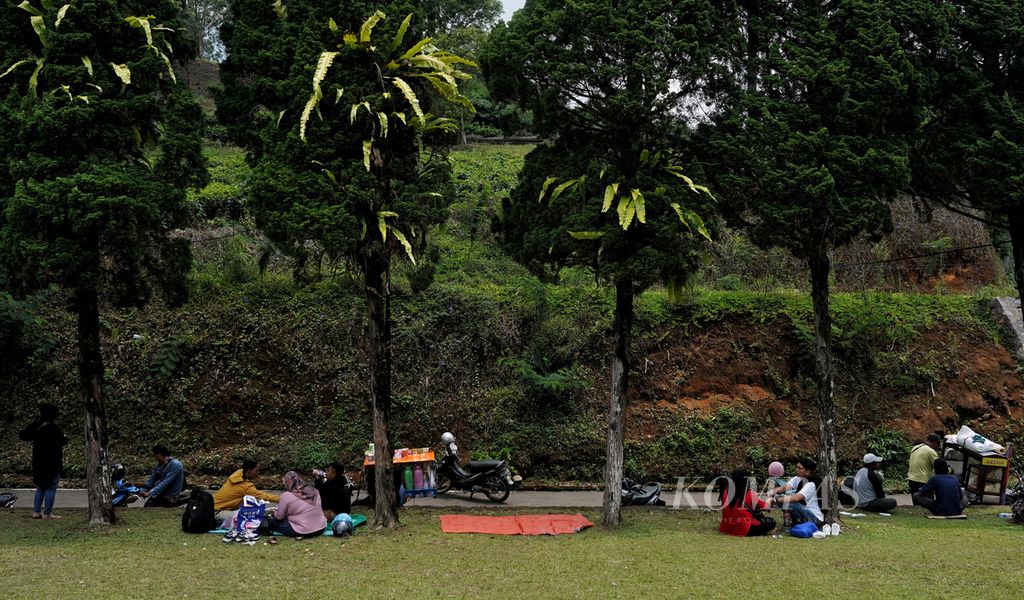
column 77, row 498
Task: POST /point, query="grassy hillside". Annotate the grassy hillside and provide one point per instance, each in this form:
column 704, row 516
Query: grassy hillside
column 255, row 365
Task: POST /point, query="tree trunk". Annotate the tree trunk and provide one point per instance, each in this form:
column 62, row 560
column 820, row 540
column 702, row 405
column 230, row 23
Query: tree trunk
column 90, row 373
column 385, row 512
column 462, row 128
column 821, row 267
column 1016, row 230
column 612, row 504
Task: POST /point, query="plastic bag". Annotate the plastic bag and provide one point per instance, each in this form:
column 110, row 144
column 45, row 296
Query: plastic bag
column 251, row 515
column 967, row 438
column 803, row 530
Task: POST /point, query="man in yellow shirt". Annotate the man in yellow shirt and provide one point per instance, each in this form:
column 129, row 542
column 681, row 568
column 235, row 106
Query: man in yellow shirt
column 922, row 462
column 239, row 485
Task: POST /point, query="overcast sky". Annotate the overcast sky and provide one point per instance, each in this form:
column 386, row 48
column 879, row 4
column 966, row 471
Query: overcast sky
column 510, row 7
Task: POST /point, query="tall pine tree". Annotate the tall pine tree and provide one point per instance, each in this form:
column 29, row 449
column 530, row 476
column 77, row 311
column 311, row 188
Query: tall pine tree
column 815, row 145
column 348, row 163
column 612, row 85
column 970, row 154
column 98, row 143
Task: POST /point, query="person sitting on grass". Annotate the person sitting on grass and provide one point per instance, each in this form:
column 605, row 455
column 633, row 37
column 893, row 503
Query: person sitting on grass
column 298, row 513
column 867, row 484
column 335, row 493
column 165, row 481
column 741, row 508
column 941, row 494
column 239, row 485
column 799, row 497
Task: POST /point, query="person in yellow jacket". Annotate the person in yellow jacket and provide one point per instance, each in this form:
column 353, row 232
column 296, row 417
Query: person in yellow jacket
column 238, row 486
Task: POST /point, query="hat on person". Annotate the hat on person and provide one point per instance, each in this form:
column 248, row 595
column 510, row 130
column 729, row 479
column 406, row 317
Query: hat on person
column 871, row 458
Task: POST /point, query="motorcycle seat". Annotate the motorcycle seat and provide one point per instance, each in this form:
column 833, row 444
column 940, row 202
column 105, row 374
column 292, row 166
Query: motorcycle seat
column 477, row 466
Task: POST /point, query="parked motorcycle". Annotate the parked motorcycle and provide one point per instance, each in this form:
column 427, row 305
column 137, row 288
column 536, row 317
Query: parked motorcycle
column 636, row 494
column 1015, row 498
column 124, row 492
column 492, row 477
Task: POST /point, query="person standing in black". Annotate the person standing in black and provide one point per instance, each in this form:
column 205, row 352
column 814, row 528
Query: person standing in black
column 48, row 442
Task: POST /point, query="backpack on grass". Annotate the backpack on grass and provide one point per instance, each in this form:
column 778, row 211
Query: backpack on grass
column 198, row 515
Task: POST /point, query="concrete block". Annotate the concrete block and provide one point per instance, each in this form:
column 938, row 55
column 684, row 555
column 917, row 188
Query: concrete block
column 1006, row 312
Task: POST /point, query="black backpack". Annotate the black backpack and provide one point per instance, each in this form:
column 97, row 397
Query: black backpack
column 198, row 515
column 7, row 500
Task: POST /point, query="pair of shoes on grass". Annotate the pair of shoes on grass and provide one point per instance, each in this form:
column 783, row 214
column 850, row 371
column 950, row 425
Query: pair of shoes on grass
column 249, row 537
column 242, row 537
column 831, row 529
column 45, row 516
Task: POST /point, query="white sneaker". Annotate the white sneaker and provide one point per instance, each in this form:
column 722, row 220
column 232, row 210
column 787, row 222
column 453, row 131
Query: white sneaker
column 835, row 529
column 827, row 529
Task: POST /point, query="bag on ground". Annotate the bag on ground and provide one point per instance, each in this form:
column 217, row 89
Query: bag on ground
column 251, row 516
column 198, row 516
column 803, row 530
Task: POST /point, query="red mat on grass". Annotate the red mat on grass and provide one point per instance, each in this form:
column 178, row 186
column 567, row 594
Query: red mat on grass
column 521, row 525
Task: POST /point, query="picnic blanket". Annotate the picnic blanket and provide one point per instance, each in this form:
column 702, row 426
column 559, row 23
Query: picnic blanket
column 357, row 520
column 519, row 525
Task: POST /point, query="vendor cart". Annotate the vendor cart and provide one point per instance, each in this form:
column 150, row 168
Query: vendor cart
column 414, row 472
column 984, row 476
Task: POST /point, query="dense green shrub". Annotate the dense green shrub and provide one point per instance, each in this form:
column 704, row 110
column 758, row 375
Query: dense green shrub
column 893, row 447
column 24, row 341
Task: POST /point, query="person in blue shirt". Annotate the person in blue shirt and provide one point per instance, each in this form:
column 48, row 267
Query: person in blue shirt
column 941, row 495
column 165, row 481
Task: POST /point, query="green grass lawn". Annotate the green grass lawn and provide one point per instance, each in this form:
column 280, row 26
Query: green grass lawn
column 657, row 554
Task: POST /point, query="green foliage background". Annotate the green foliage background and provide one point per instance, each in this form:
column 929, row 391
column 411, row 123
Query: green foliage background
column 267, row 368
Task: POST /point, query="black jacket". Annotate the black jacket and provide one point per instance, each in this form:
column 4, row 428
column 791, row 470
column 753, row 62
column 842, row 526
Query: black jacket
column 876, row 483
column 335, row 495
column 47, row 451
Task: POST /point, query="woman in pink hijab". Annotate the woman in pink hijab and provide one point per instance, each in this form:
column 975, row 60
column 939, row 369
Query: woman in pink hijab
column 298, row 513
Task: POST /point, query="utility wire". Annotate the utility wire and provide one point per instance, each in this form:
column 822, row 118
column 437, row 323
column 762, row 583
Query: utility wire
column 902, row 258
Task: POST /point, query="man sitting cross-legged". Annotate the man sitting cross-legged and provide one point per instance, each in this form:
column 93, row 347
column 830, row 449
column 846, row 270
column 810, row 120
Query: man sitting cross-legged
column 941, row 495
